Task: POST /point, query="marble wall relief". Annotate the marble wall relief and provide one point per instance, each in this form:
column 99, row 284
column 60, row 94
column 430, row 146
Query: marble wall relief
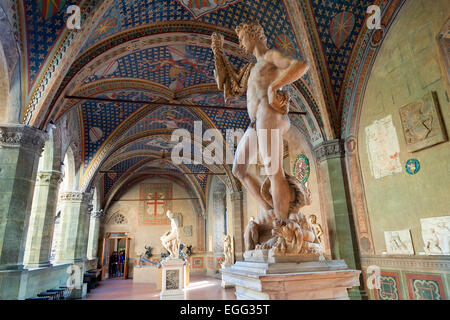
column 398, row 242
column 436, row 235
column 422, row 123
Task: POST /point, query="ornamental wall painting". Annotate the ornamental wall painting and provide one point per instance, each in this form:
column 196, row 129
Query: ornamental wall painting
column 389, row 287
column 436, row 235
column 301, row 169
column 199, row 8
column 197, row 262
column 399, row 242
column 422, row 123
column 425, row 287
column 155, row 203
column 383, row 148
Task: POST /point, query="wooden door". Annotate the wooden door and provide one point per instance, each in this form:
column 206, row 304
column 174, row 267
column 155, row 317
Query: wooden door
column 125, row 261
column 105, row 257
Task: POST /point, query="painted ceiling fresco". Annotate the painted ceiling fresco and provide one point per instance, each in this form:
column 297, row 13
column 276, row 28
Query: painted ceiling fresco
column 183, row 68
column 45, row 22
column 338, row 24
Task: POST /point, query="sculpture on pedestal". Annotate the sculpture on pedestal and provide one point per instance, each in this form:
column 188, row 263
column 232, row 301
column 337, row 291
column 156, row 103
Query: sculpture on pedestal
column 282, row 228
column 228, row 250
column 317, row 227
column 171, row 239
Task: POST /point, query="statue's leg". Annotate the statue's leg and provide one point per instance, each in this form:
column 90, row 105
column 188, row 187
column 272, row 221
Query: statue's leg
column 251, row 236
column 270, row 142
column 243, row 158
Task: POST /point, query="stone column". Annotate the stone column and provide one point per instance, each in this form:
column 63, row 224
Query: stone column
column 74, row 227
column 20, row 149
column 237, row 225
column 42, row 219
column 94, row 231
column 330, row 157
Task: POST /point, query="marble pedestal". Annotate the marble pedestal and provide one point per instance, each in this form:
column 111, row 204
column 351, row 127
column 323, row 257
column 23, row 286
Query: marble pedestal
column 265, row 278
column 172, row 279
column 148, row 275
column 225, row 284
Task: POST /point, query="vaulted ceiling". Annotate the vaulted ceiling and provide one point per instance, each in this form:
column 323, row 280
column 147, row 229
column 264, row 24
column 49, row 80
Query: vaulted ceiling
column 159, row 51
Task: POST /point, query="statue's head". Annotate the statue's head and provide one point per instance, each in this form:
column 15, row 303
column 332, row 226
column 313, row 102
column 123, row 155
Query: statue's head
column 313, row 218
column 169, row 214
column 249, row 33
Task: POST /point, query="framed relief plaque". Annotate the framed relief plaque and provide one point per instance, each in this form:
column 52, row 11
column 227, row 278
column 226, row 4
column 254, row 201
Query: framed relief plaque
column 422, row 123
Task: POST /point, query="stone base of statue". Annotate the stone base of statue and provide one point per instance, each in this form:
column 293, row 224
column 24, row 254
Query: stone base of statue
column 267, row 276
column 225, row 284
column 173, row 279
column 147, row 274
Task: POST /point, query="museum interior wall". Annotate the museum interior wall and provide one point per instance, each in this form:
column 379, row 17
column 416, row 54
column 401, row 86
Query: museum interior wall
column 137, row 219
column 403, row 155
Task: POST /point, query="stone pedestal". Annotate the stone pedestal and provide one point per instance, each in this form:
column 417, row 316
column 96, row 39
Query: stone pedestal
column 148, row 275
column 172, row 279
column 225, row 284
column 307, row 280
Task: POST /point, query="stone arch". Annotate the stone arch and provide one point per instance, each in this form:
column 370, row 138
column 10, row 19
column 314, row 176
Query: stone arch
column 10, row 85
column 70, row 173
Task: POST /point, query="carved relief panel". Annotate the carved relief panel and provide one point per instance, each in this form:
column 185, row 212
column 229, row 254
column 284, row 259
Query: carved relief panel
column 422, row 123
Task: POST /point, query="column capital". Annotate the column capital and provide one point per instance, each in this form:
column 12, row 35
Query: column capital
column 75, row 196
column 50, row 177
column 329, row 149
column 20, row 135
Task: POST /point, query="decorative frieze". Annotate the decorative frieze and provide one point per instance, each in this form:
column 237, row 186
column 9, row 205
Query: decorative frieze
column 329, row 149
column 412, row 263
column 18, row 135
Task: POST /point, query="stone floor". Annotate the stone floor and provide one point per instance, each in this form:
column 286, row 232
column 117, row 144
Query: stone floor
column 200, row 288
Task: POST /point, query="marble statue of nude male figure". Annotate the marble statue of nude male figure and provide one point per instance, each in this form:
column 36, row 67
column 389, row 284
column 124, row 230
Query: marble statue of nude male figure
column 267, row 109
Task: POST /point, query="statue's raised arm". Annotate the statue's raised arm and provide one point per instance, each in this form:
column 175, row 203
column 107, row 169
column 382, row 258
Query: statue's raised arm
column 229, row 80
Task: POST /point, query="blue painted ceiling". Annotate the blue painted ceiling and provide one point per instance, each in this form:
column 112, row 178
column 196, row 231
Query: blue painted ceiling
column 180, row 67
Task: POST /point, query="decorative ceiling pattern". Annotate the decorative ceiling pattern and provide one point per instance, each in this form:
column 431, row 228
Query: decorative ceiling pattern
column 338, row 24
column 176, row 66
column 144, row 42
column 125, row 15
column 45, row 22
column 118, row 170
